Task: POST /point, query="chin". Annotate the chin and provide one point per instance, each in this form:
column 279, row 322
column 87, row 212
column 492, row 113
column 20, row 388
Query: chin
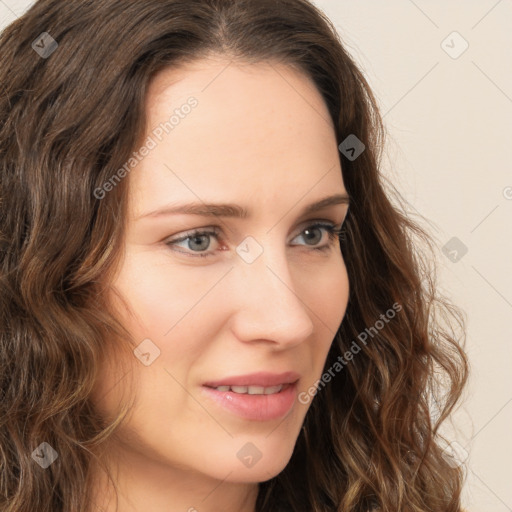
column 260, row 458
column 261, row 472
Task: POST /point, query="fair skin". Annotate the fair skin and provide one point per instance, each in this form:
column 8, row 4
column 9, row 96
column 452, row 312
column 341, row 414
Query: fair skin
column 263, row 140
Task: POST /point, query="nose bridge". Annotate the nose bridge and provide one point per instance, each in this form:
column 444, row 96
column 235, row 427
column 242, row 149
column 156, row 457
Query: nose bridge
column 267, row 305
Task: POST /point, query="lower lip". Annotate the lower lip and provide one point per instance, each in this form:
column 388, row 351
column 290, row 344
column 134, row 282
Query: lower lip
column 255, row 407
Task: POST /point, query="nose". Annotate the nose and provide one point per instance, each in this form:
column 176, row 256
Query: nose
column 266, row 304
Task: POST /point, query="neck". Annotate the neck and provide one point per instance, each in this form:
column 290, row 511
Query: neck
column 153, row 486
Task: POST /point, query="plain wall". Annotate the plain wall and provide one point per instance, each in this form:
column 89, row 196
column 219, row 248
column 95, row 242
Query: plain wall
column 449, row 122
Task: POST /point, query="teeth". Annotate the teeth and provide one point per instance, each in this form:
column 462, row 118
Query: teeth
column 251, row 390
column 273, row 389
column 239, row 389
column 255, row 390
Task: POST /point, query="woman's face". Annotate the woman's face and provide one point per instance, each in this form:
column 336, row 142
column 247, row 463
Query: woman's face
column 255, row 306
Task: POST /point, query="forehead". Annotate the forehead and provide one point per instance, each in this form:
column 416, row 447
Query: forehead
column 264, row 126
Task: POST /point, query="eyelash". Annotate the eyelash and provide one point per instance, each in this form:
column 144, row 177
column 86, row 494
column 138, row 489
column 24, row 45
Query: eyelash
column 333, row 232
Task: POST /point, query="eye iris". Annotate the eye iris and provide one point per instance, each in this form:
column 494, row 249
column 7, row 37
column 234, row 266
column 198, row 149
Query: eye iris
column 195, row 239
column 309, row 231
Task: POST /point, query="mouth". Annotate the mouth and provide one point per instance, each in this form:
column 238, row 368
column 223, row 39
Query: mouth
column 252, row 390
column 256, row 380
column 257, row 397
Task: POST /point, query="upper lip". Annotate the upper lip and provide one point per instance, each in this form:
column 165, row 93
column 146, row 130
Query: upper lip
column 263, row 379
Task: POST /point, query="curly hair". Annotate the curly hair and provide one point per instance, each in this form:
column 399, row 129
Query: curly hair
column 69, row 120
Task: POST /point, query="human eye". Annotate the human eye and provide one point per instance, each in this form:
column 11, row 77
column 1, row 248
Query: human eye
column 197, row 242
column 197, row 239
column 333, row 233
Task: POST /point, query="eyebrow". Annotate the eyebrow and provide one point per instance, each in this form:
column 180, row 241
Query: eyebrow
column 234, row 210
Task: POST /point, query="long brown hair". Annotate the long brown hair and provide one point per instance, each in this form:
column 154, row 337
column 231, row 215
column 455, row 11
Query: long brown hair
column 71, row 113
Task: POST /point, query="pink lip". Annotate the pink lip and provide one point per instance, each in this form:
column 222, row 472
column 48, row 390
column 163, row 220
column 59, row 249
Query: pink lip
column 264, row 379
column 255, row 407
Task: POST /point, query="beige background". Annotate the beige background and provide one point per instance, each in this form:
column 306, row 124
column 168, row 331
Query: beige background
column 449, row 151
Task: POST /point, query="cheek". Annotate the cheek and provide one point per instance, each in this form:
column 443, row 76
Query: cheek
column 328, row 295
column 162, row 295
column 163, row 310
column 176, row 308
column 328, row 300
